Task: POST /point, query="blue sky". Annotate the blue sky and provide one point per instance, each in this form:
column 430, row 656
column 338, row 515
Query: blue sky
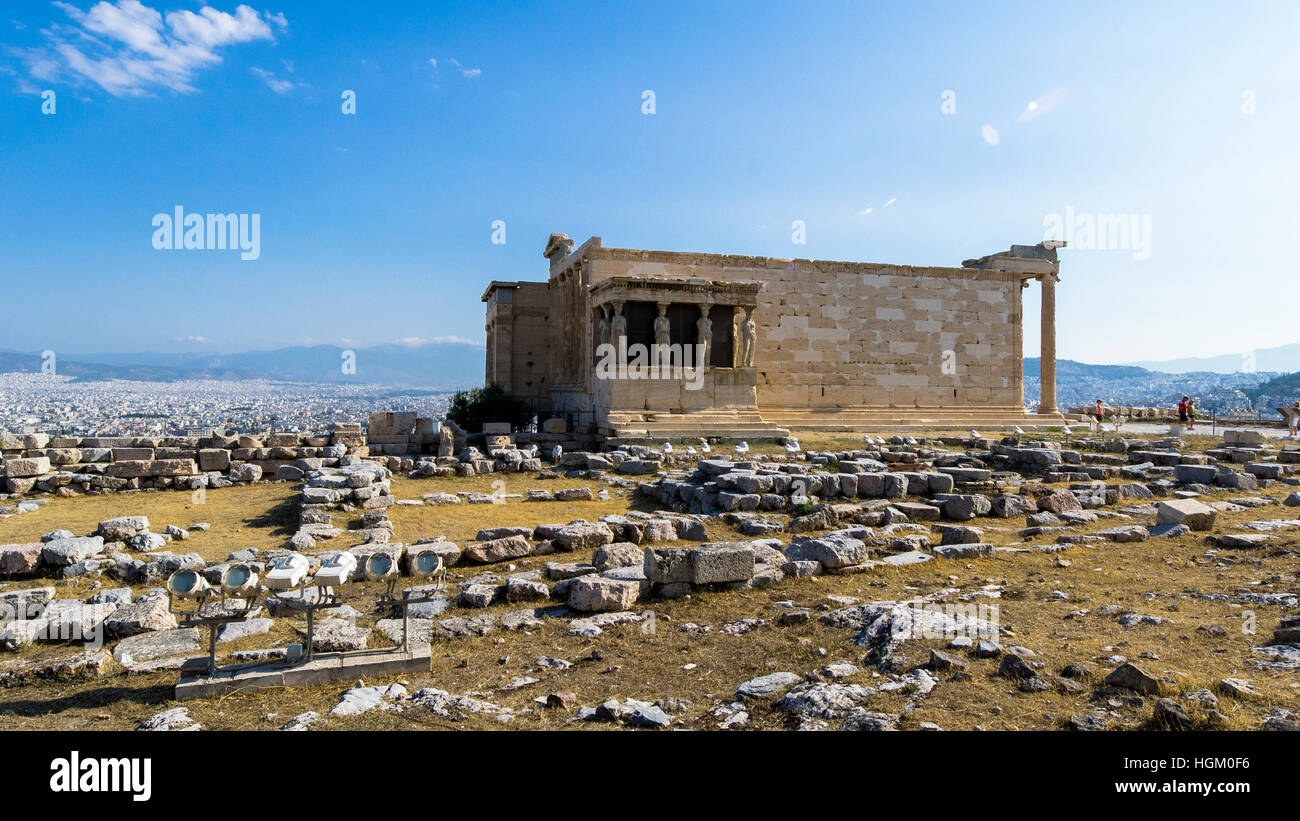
column 377, row 227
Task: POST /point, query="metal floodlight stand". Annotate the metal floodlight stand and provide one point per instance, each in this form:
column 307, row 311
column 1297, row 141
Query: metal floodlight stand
column 326, row 599
column 197, row 618
column 404, row 602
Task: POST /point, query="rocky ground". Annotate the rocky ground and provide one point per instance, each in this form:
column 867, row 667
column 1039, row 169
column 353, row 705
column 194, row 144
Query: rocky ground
column 917, row 611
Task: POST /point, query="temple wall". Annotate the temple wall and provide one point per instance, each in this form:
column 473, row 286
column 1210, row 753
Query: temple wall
column 853, row 335
column 519, row 340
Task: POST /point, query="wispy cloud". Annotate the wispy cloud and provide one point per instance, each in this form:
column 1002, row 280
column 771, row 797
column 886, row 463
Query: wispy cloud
column 461, row 69
column 276, row 84
column 417, row 341
column 465, row 71
column 130, row 49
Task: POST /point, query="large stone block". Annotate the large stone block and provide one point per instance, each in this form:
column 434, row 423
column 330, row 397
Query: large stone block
column 148, row 615
column 1190, row 512
column 963, row 506
column 64, row 552
column 668, row 565
column 583, row 536
column 214, row 459
column 721, row 562
column 1266, row 470
column 1196, row 474
column 496, row 550
column 133, row 454
column 22, row 467
column 1062, row 501
column 122, row 528
column 27, row 603
column 833, row 550
column 20, row 559
column 598, row 593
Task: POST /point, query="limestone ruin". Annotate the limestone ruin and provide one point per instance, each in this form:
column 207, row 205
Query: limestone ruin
column 787, row 344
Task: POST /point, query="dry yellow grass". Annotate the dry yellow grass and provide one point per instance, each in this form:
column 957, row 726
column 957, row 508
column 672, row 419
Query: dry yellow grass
column 626, row 661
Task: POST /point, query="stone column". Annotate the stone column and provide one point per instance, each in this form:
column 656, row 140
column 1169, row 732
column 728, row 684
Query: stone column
column 1047, row 362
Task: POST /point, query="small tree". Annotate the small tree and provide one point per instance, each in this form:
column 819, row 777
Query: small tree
column 470, row 409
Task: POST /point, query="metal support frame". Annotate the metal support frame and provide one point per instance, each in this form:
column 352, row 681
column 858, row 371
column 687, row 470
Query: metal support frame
column 326, row 599
column 197, row 618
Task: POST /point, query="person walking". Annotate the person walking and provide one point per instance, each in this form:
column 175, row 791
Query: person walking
column 1295, row 419
column 1099, row 413
column 1182, row 411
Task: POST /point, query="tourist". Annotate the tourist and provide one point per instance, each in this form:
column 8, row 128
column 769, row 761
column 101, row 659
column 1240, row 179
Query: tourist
column 1191, row 414
column 1100, row 413
column 1182, row 411
column 1294, row 417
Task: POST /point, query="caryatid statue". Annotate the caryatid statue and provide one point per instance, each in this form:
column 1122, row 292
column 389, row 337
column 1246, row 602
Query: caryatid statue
column 748, row 341
column 602, row 327
column 663, row 335
column 662, row 325
column 446, row 441
column 617, row 324
column 704, row 335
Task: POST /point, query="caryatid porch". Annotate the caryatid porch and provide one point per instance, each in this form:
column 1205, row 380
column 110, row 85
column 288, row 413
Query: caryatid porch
column 659, row 328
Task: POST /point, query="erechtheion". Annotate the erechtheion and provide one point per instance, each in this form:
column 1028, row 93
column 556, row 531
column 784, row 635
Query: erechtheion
column 754, row 347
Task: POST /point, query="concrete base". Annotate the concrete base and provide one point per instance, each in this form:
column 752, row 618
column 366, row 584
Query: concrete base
column 322, row 669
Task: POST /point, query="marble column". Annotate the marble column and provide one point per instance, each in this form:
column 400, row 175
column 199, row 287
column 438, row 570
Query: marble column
column 1047, row 361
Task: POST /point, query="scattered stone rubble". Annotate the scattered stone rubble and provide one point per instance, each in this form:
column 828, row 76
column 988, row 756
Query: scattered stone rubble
column 896, row 503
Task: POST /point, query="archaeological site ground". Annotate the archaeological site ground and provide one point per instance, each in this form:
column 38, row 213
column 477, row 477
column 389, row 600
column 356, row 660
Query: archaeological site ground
column 926, row 581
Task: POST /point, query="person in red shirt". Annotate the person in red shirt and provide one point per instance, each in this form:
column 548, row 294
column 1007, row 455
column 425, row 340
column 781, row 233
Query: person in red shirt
column 1182, row 411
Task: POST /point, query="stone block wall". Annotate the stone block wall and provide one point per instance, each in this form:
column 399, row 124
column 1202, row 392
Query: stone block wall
column 70, row 465
column 852, row 335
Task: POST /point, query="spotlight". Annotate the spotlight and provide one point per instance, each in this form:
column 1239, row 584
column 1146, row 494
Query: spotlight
column 426, row 563
column 187, row 584
column 239, row 582
column 381, row 567
column 287, row 572
column 336, row 571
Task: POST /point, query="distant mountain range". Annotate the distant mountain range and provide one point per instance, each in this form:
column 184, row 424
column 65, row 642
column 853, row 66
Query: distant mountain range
column 1284, row 359
column 430, row 365
column 452, row 365
column 1068, row 367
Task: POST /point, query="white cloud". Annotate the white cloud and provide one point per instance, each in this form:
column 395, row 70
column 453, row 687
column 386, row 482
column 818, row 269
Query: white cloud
column 865, row 212
column 198, row 339
column 274, row 83
column 417, row 341
column 991, row 135
column 130, row 49
column 464, row 71
column 433, row 61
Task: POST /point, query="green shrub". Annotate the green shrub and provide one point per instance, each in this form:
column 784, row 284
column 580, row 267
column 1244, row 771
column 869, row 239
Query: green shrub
column 470, row 409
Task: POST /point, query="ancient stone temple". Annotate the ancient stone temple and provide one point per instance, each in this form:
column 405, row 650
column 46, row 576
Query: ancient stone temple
column 668, row 344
